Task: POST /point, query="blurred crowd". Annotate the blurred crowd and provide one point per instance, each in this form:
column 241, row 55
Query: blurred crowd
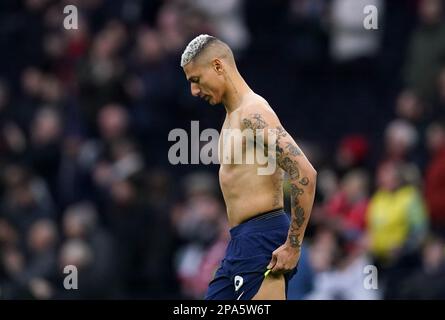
column 85, row 115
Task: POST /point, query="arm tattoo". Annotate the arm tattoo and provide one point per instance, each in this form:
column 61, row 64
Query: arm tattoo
column 255, row 121
column 280, row 132
column 297, row 217
column 285, row 155
column 286, row 160
column 294, row 242
column 296, row 192
column 283, row 159
column 289, row 166
column 293, row 149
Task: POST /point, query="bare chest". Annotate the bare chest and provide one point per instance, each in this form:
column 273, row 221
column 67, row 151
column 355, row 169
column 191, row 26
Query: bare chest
column 234, row 143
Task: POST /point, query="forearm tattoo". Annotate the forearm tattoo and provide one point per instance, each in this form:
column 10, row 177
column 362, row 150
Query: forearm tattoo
column 286, row 160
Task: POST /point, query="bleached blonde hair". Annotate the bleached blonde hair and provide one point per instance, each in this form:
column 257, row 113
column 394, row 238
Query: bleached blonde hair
column 195, row 47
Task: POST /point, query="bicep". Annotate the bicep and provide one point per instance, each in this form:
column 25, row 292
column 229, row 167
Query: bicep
column 289, row 156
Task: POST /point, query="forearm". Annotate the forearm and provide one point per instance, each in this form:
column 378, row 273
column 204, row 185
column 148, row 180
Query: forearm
column 302, row 199
column 302, row 178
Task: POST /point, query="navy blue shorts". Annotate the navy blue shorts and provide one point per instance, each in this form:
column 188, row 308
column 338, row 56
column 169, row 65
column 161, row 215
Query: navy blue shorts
column 248, row 253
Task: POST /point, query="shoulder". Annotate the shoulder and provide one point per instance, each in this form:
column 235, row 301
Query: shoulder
column 257, row 113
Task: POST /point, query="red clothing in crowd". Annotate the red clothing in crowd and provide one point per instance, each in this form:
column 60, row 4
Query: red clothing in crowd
column 352, row 215
column 435, row 189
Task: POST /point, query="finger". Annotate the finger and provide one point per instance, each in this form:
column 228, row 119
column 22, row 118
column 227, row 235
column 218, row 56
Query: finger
column 272, row 262
column 277, row 268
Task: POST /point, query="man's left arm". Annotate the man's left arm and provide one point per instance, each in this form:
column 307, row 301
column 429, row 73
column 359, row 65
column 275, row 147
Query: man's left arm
column 302, row 178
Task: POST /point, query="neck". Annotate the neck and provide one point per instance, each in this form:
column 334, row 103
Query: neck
column 237, row 88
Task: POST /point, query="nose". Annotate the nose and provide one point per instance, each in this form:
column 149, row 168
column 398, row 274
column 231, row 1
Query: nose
column 195, row 89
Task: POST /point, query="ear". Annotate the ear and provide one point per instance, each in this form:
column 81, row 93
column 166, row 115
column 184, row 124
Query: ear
column 217, row 66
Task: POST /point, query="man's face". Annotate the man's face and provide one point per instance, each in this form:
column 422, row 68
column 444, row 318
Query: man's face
column 205, row 82
column 387, row 177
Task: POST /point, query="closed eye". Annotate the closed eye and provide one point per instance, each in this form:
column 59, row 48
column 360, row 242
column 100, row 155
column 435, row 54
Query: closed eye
column 194, row 79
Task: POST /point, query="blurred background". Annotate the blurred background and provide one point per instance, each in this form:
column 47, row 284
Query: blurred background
column 85, row 115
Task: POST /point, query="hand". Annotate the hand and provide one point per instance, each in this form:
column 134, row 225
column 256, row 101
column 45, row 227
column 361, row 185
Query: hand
column 284, row 259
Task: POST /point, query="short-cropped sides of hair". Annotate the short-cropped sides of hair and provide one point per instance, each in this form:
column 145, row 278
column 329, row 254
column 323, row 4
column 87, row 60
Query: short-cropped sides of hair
column 195, row 47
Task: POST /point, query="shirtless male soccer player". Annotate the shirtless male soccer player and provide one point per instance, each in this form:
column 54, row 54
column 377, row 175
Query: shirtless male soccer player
column 265, row 244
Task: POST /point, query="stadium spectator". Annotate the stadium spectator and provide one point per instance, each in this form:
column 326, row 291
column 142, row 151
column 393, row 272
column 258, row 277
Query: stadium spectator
column 426, row 50
column 435, row 177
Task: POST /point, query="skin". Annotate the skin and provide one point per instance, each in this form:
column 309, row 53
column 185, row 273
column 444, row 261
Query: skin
column 213, row 76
